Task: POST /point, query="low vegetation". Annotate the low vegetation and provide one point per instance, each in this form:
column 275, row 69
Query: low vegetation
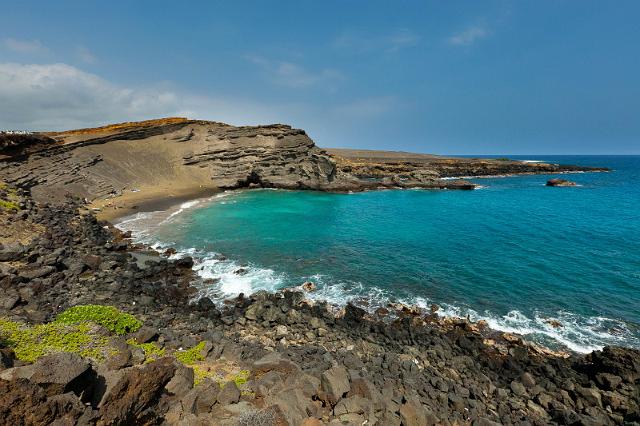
column 107, row 316
column 81, row 330
column 123, row 126
column 8, row 197
column 8, row 205
column 152, row 351
column 32, row 342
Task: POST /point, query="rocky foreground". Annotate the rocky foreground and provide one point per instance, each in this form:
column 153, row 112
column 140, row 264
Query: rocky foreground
column 266, row 359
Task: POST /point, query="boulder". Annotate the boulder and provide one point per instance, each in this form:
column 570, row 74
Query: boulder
column 15, row 373
column 364, row 388
column 518, row 388
column 335, row 383
column 230, row 394
column 7, row 356
column 145, row 334
column 591, row 395
column 309, row 286
column 201, row 398
column 61, row 373
column 137, row 390
column 608, row 381
column 293, row 405
column 11, row 251
column 185, row 262
column 413, row 413
column 281, row 331
column 560, row 182
column 92, row 261
column 528, row 380
column 274, row 362
column 25, row 403
column 353, row 314
column 31, row 273
column 181, row 382
column 122, row 358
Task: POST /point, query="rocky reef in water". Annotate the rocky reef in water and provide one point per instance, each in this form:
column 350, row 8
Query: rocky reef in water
column 95, row 329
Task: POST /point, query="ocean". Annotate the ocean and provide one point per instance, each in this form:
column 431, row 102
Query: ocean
column 515, row 253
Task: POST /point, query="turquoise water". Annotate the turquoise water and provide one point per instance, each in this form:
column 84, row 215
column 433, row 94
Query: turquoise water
column 515, row 252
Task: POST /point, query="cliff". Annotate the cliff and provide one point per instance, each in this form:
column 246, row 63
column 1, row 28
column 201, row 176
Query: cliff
column 139, row 161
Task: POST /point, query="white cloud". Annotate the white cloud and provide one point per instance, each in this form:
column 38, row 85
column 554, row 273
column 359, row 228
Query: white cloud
column 468, row 36
column 360, row 42
column 60, row 96
column 295, row 76
column 85, row 55
column 24, row 46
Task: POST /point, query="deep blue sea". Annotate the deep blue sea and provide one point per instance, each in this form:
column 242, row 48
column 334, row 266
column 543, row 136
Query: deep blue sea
column 515, row 252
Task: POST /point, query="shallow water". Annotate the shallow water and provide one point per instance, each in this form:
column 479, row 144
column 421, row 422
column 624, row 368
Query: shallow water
column 515, row 252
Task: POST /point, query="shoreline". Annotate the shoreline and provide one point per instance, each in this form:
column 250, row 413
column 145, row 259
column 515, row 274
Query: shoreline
column 552, row 338
column 163, row 198
column 130, row 203
column 283, row 356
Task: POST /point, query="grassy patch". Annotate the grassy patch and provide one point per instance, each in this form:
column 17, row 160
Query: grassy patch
column 241, row 378
column 9, row 205
column 31, row 342
column 201, row 372
column 152, row 351
column 107, row 316
column 191, row 356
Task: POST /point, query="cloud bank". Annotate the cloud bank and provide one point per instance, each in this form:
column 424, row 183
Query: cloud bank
column 60, row 96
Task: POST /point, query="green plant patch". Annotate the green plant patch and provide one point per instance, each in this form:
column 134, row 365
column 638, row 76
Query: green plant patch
column 199, row 374
column 107, row 316
column 32, row 342
column 191, row 356
column 241, row 378
column 9, row 205
column 152, row 351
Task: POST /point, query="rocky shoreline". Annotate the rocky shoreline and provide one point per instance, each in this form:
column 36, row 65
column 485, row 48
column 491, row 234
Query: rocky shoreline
column 264, row 359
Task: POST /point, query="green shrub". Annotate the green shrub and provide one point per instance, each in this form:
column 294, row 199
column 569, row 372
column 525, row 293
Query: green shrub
column 152, row 351
column 31, row 342
column 107, row 316
column 191, row 356
column 9, row 205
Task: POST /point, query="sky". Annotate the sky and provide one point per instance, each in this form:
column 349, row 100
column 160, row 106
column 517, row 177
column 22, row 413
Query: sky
column 458, row 77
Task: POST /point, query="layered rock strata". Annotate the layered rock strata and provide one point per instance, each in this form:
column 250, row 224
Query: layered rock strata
column 182, row 156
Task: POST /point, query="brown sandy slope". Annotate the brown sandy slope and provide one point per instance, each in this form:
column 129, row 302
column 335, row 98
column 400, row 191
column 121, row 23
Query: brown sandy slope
column 122, row 166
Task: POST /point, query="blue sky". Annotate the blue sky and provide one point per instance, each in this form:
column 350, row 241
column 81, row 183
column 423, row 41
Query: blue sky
column 466, row 77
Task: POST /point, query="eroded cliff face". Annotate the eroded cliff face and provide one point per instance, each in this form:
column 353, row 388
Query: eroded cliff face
column 94, row 163
column 181, row 157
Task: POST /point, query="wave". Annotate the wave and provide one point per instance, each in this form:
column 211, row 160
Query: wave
column 182, row 208
column 577, row 333
column 223, row 278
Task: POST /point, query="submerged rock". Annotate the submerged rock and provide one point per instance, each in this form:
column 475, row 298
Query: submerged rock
column 560, row 182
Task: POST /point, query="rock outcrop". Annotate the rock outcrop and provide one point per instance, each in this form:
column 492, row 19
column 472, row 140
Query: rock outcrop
column 560, row 182
column 96, row 163
column 181, row 156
